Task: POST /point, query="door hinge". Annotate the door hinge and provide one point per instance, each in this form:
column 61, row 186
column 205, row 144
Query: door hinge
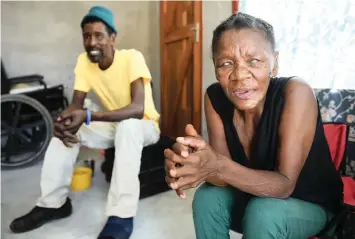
column 196, row 29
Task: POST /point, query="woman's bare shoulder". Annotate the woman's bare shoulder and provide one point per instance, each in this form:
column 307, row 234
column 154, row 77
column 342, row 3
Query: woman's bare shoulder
column 299, row 85
column 299, row 99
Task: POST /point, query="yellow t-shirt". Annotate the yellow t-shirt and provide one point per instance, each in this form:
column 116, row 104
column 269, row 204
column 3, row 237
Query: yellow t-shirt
column 113, row 86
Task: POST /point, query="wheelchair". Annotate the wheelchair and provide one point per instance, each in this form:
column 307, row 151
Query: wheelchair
column 28, row 110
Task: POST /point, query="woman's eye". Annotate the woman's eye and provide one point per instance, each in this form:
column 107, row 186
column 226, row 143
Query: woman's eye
column 225, row 64
column 254, row 61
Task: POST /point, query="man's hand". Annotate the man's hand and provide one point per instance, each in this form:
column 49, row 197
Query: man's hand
column 75, row 118
column 66, row 137
column 63, row 121
column 195, row 167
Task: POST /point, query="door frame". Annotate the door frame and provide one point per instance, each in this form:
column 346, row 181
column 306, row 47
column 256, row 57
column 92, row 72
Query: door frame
column 197, row 62
column 235, row 6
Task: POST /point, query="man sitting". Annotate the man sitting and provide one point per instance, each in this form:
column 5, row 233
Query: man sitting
column 121, row 80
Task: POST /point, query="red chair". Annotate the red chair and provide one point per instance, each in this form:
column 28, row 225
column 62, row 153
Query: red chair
column 337, row 137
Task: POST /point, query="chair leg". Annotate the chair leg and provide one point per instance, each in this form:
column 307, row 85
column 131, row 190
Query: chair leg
column 336, row 222
column 347, row 225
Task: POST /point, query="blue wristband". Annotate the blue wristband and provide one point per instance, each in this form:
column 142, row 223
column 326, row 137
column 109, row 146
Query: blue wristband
column 88, row 117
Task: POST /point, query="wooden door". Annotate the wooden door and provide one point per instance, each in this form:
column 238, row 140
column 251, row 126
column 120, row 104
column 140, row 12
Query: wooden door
column 181, row 66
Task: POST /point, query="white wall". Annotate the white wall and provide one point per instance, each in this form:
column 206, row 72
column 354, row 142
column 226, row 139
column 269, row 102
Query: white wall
column 214, row 12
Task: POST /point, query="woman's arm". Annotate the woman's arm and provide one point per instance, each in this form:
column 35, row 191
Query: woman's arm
column 216, row 137
column 296, row 133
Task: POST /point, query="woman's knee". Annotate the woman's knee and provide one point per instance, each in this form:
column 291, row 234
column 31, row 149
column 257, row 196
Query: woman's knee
column 211, row 200
column 264, row 218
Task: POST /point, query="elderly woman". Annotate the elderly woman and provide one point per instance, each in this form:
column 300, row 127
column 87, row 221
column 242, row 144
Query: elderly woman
column 267, row 166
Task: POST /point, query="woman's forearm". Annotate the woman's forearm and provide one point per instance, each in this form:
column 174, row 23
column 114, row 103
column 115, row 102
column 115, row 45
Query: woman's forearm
column 260, row 183
column 216, row 181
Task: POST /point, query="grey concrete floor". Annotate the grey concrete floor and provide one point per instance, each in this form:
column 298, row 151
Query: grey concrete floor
column 163, row 216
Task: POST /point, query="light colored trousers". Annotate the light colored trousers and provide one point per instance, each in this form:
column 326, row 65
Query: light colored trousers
column 129, row 137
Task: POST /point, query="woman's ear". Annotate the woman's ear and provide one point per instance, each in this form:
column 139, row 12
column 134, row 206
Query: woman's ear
column 275, row 69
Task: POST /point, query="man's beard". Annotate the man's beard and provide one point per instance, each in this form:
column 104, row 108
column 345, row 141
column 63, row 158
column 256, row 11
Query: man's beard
column 95, row 55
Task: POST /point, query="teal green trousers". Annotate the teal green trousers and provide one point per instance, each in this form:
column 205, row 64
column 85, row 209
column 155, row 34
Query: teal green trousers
column 260, row 218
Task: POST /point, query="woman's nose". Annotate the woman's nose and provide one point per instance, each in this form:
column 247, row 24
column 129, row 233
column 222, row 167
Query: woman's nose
column 240, row 72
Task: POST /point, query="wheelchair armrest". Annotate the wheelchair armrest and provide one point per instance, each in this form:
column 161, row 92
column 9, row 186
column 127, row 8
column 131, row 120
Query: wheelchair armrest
column 28, row 79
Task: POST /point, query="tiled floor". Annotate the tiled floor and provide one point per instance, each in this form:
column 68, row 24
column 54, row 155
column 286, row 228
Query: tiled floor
column 163, row 216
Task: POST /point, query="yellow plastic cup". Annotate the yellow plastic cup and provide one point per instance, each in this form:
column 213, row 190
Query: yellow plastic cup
column 81, row 179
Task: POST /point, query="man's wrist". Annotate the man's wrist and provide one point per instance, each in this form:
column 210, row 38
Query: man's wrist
column 87, row 117
column 96, row 116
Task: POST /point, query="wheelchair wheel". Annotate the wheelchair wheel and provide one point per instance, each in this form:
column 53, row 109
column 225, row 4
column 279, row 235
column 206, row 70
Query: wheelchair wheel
column 26, row 130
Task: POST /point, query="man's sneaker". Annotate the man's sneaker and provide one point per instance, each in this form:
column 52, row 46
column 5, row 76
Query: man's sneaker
column 117, row 228
column 39, row 216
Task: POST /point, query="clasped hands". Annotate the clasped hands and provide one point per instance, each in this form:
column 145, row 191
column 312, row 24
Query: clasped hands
column 68, row 124
column 186, row 169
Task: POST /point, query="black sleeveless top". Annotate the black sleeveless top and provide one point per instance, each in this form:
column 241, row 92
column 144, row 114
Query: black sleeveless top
column 318, row 182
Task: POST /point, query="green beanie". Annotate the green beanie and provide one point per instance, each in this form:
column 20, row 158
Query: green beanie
column 103, row 14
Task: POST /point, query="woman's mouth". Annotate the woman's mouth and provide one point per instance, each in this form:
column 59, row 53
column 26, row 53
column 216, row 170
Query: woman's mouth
column 243, row 94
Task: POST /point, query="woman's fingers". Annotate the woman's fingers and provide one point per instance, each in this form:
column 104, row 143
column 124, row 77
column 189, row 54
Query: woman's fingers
column 185, row 183
column 197, row 143
column 180, row 193
column 180, row 172
column 170, row 165
column 169, row 154
column 181, row 149
column 170, row 181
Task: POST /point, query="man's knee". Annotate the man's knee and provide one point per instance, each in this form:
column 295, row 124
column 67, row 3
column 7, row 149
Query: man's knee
column 131, row 130
column 264, row 218
column 56, row 144
column 129, row 125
